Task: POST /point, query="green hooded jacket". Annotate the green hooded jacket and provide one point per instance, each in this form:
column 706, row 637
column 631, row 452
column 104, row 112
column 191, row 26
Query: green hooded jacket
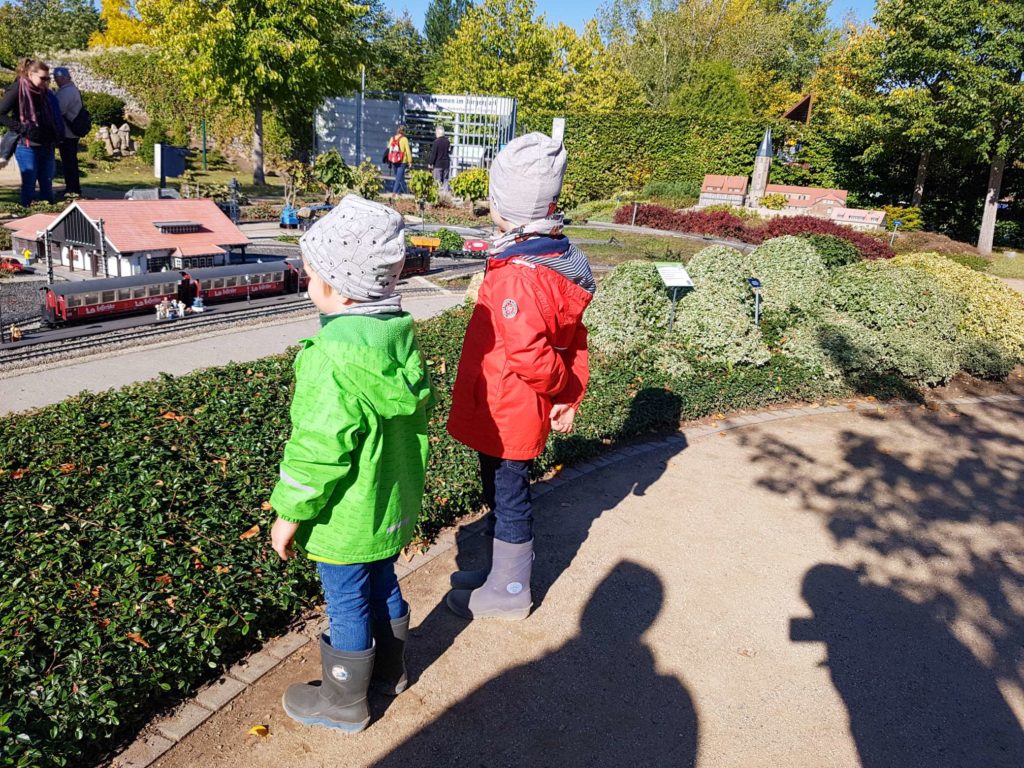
column 353, row 470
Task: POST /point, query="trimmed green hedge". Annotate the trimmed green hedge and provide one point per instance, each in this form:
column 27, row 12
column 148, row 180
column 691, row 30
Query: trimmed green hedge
column 610, row 152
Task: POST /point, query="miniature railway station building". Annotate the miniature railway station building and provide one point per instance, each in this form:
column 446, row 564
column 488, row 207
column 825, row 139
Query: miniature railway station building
column 121, row 238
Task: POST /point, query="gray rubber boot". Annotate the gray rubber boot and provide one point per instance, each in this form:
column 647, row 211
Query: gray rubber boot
column 506, row 593
column 339, row 701
column 475, row 578
column 389, row 674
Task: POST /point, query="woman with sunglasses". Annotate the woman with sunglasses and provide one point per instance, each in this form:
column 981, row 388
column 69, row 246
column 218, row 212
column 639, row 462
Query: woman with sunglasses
column 30, row 110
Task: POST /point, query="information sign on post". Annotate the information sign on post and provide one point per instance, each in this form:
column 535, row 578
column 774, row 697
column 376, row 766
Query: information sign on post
column 676, row 279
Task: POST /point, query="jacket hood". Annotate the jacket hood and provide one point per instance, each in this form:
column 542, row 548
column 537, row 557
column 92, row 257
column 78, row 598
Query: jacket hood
column 377, row 355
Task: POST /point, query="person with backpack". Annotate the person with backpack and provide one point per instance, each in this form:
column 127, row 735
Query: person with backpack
column 399, row 157
column 76, row 125
column 29, row 109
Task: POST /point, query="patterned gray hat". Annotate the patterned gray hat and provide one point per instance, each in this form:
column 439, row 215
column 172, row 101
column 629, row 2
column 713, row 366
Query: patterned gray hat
column 358, row 248
column 526, row 178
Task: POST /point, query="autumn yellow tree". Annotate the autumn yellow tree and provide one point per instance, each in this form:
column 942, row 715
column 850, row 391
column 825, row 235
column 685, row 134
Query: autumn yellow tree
column 120, row 25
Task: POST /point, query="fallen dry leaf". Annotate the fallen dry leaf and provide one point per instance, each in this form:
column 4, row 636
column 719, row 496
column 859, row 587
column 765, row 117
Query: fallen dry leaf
column 254, row 531
column 265, row 506
column 163, row 579
column 65, row 468
column 171, row 416
column 221, row 569
column 104, row 424
column 135, row 637
column 223, row 465
column 171, row 601
column 19, row 473
column 259, row 730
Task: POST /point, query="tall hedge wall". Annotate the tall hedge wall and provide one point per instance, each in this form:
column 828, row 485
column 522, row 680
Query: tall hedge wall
column 610, row 152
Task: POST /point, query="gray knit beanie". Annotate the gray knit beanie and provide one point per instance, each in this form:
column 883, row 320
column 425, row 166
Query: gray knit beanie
column 358, row 248
column 526, row 178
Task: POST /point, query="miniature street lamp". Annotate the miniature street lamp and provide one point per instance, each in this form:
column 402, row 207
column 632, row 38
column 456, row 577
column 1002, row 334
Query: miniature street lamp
column 755, row 285
column 895, row 225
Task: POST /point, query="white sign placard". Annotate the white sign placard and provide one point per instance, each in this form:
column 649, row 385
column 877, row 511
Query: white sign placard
column 674, row 274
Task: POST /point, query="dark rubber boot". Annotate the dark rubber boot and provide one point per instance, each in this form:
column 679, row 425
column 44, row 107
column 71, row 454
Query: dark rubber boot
column 475, row 578
column 390, row 637
column 506, row 593
column 339, row 701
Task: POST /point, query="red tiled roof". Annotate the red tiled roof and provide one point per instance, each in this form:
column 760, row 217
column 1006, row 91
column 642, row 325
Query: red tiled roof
column 198, row 250
column 128, row 224
column 726, row 185
column 814, row 194
column 858, row 214
column 26, row 228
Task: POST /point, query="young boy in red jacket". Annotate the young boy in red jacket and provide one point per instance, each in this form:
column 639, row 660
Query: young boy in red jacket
column 524, row 369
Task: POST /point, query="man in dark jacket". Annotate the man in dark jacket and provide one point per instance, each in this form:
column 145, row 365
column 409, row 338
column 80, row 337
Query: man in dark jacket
column 441, row 159
column 70, row 99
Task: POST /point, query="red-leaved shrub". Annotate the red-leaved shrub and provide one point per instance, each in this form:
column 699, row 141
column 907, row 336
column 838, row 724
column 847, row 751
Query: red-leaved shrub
column 725, row 224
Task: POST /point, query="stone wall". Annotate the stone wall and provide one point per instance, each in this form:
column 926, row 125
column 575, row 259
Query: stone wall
column 87, row 81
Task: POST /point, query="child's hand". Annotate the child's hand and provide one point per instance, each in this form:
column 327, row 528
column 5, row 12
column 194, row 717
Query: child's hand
column 282, row 534
column 562, row 417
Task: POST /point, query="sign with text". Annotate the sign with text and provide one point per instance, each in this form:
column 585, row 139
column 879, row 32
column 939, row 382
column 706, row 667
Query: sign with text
column 674, row 274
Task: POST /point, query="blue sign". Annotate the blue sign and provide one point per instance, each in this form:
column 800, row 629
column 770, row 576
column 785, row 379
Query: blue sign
column 754, row 282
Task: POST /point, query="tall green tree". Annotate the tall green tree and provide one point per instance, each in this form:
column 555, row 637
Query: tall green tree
column 36, row 27
column 713, row 91
column 289, row 55
column 397, row 57
column 968, row 55
column 503, row 48
column 442, row 20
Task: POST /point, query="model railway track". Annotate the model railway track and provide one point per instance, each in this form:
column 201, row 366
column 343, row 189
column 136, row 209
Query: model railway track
column 81, row 345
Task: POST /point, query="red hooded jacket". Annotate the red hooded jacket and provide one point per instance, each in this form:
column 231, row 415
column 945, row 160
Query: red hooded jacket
column 525, row 350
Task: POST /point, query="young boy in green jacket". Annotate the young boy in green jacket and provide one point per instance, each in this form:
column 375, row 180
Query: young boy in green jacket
column 351, row 481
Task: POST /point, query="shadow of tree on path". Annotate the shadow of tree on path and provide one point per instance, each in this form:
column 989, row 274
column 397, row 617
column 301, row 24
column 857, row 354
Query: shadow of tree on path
column 595, row 701
column 932, row 505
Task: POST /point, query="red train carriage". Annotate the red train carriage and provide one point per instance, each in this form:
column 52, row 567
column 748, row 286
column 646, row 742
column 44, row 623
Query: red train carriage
column 95, row 299
column 235, row 282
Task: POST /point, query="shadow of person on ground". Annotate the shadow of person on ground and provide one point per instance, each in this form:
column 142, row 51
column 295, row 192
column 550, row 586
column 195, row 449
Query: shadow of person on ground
column 559, row 531
column 916, row 697
column 596, row 701
column 940, row 493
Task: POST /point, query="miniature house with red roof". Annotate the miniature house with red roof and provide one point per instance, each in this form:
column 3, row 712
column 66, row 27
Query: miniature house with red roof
column 811, row 201
column 130, row 237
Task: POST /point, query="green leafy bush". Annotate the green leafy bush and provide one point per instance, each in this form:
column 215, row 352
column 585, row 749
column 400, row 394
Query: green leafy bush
column 451, row 241
column 367, row 181
column 991, row 314
column 833, row 251
column 917, row 322
column 675, row 194
column 96, row 151
column 423, row 186
column 471, row 185
column 334, row 175
column 104, row 108
column 977, row 263
column 774, row 201
column 630, row 311
column 154, row 134
column 911, row 219
column 793, row 278
column 5, row 239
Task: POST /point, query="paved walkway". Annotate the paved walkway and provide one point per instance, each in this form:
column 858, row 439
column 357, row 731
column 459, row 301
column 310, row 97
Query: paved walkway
column 826, row 590
column 37, row 388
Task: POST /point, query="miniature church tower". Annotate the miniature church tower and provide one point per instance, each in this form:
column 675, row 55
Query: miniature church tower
column 762, row 166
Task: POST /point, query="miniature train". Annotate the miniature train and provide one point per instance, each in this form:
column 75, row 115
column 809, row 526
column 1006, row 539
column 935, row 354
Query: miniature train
column 90, row 300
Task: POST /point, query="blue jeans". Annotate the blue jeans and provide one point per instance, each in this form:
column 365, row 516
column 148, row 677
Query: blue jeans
column 507, row 491
column 36, row 165
column 358, row 595
column 400, row 187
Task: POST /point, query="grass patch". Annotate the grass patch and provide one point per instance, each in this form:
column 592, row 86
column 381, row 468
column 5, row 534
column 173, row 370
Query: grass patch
column 611, row 247
column 1005, row 265
column 111, row 179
